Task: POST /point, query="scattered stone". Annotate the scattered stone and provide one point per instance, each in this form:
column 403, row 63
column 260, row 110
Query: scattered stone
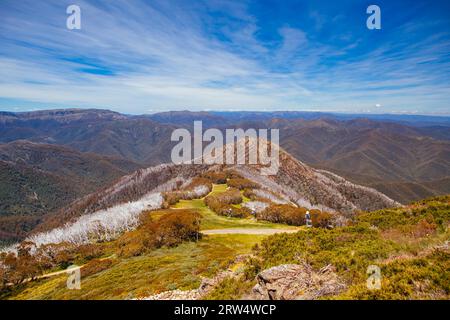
column 175, row 295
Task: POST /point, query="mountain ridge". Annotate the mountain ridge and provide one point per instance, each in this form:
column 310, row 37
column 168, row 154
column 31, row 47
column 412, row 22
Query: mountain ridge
column 295, row 181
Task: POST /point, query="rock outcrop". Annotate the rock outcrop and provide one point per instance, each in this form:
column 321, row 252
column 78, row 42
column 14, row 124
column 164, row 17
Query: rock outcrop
column 296, row 282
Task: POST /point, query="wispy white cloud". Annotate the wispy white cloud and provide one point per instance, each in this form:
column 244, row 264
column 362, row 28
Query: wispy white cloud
column 133, row 56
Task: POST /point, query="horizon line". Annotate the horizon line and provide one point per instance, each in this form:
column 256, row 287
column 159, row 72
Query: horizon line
column 230, row 110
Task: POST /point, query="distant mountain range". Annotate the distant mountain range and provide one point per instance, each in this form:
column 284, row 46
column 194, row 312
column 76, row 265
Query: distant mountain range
column 99, row 131
column 50, row 158
column 233, row 117
column 406, row 157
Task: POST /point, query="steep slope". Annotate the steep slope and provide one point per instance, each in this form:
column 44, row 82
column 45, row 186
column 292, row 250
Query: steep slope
column 41, row 178
column 140, row 140
column 407, row 243
column 318, row 188
column 81, row 168
column 26, row 194
column 374, row 154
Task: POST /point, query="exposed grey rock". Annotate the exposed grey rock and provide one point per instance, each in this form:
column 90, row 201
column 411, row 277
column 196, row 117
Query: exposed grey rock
column 296, row 282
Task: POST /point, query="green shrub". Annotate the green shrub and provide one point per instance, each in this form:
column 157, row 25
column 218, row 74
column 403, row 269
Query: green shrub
column 169, row 230
column 222, row 203
column 216, row 177
column 242, row 183
column 349, row 249
column 420, row 278
column 353, row 248
column 172, row 197
column 433, row 210
column 283, row 213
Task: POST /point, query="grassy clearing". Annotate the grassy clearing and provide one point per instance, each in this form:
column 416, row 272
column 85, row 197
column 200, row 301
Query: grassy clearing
column 211, row 220
column 219, row 188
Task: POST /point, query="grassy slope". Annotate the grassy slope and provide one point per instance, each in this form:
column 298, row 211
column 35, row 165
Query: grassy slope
column 164, row 269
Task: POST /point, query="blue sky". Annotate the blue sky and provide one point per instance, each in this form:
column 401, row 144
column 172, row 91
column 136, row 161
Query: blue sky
column 140, row 56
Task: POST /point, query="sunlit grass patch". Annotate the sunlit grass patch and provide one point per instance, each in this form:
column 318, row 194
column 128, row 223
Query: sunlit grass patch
column 219, row 188
column 211, row 220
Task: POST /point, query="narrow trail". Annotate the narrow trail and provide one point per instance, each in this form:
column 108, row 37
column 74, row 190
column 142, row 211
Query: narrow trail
column 43, row 276
column 52, row 274
column 258, row 231
column 57, row 273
